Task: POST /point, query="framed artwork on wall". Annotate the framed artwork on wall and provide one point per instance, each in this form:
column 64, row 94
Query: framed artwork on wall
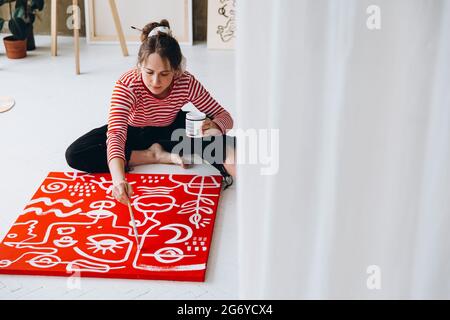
column 221, row 24
column 100, row 24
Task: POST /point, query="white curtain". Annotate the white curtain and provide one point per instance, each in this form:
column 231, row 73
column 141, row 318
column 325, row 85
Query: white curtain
column 364, row 137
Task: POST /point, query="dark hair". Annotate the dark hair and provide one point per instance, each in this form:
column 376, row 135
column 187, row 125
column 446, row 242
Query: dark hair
column 163, row 44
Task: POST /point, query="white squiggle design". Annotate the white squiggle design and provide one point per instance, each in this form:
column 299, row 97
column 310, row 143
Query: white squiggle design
column 30, row 233
column 49, row 202
column 45, row 261
column 102, row 204
column 194, row 207
column 6, row 263
column 57, row 212
column 54, row 187
column 106, row 185
column 65, row 230
column 81, row 265
column 123, row 241
column 64, row 242
column 200, row 205
column 48, row 260
column 24, row 243
column 203, row 222
column 168, row 255
column 191, row 267
column 151, row 209
column 195, row 185
column 155, row 190
column 176, row 227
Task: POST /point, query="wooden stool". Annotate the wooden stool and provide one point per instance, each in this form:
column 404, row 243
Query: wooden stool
column 76, row 30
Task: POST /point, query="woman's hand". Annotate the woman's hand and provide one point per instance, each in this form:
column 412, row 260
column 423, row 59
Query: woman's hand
column 122, row 192
column 210, row 128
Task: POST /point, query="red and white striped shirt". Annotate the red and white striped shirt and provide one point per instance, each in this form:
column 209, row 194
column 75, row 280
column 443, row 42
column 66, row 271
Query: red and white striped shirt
column 133, row 104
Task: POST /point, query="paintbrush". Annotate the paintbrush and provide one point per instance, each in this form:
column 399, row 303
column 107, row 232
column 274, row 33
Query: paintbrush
column 133, row 222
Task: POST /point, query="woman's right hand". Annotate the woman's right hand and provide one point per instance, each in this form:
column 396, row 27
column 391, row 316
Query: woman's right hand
column 122, row 192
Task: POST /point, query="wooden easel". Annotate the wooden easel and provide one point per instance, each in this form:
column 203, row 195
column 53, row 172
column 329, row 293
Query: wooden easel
column 76, row 31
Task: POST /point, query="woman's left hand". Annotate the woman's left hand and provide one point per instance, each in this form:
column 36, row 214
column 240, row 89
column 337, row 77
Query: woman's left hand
column 210, row 128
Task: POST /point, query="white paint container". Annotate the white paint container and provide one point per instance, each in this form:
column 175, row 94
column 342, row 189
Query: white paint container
column 194, row 122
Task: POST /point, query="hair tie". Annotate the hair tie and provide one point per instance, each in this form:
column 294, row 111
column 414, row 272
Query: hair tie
column 162, row 29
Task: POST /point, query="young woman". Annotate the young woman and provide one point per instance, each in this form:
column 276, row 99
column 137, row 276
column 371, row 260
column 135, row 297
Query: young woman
column 145, row 110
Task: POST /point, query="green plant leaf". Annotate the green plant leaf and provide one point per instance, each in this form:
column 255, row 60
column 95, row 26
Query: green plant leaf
column 19, row 13
column 18, row 28
column 21, row 3
column 2, row 21
column 37, row 4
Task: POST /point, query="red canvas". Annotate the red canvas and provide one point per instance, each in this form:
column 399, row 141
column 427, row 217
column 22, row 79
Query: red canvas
column 74, row 225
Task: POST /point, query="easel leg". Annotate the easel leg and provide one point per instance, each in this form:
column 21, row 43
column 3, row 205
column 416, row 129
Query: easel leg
column 115, row 14
column 54, row 28
column 76, row 35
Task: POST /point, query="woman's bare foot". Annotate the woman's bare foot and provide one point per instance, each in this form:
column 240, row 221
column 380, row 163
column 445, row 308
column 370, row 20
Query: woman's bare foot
column 164, row 157
column 153, row 155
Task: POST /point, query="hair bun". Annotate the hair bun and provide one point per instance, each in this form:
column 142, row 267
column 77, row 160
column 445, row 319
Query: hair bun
column 147, row 29
column 152, row 25
column 164, row 23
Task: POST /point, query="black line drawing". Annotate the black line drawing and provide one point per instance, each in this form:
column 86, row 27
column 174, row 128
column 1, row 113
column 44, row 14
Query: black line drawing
column 227, row 31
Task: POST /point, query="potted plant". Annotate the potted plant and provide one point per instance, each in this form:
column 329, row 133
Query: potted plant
column 20, row 25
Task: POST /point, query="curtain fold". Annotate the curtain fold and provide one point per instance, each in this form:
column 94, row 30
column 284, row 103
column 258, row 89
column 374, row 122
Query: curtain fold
column 363, row 126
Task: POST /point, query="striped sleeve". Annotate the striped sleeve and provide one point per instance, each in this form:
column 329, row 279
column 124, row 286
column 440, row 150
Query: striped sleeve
column 204, row 102
column 122, row 101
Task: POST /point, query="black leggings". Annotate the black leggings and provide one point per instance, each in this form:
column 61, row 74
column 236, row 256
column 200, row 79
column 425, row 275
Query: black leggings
column 88, row 153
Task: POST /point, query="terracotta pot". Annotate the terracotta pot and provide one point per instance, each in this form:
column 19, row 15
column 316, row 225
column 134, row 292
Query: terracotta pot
column 15, row 49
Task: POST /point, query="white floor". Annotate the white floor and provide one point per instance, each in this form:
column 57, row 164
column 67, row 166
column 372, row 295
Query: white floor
column 53, row 108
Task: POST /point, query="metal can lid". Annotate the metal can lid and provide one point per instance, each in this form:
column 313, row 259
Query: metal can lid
column 195, row 115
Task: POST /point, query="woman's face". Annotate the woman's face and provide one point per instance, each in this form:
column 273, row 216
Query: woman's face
column 157, row 74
